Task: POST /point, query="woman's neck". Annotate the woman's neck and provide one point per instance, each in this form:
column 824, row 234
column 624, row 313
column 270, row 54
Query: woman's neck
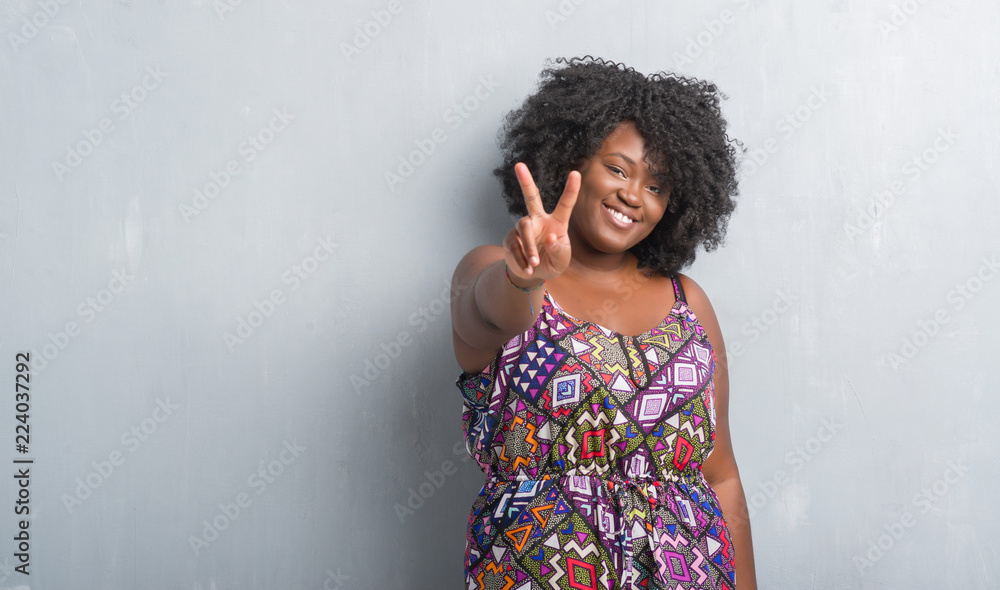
column 601, row 268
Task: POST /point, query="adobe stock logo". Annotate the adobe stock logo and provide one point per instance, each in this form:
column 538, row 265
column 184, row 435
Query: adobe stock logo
column 435, row 480
column 390, row 350
column 928, row 327
column 259, row 480
column 364, row 35
column 894, row 531
column 30, row 27
column 123, row 106
column 788, row 125
column 754, row 328
column 455, row 116
column 121, row 281
column 131, row 439
column 914, row 168
column 901, row 14
column 697, row 45
column 224, row 7
column 249, row 149
column 264, row 308
column 796, row 460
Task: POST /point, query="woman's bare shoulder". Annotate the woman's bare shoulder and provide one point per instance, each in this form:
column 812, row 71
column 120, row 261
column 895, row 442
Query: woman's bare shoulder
column 699, row 303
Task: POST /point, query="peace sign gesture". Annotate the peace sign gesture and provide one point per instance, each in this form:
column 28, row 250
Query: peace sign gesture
column 538, row 247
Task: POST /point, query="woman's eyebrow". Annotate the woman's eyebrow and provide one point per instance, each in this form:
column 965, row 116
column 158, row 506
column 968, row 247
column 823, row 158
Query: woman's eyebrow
column 623, row 156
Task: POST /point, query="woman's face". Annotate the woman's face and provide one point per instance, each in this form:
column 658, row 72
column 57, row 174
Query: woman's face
column 620, row 200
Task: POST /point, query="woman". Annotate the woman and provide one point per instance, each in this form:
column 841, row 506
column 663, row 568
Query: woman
column 594, row 375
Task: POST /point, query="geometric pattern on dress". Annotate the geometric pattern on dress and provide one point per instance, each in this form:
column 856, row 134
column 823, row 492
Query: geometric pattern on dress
column 540, row 358
column 571, row 384
column 592, row 445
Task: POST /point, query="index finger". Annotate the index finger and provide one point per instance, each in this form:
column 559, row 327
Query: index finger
column 532, row 200
column 564, row 208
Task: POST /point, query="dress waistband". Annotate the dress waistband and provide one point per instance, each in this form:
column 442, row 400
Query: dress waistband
column 615, row 478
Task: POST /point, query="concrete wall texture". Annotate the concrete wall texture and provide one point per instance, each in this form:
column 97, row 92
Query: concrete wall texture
column 227, row 229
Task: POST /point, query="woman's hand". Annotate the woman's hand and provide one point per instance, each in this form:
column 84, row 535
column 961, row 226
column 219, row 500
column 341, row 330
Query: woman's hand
column 538, row 245
column 486, row 311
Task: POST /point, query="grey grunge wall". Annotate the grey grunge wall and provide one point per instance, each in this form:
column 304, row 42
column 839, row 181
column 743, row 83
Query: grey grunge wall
column 227, row 229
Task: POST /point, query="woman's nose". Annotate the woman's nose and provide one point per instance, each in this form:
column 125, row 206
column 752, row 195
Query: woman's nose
column 629, row 195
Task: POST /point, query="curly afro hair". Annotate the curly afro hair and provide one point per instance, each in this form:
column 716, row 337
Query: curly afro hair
column 578, row 104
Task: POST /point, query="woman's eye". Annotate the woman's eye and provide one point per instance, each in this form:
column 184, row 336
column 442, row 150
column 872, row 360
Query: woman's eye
column 617, row 171
column 654, row 189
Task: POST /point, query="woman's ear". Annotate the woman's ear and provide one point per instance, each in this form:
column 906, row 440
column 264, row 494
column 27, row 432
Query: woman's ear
column 672, row 204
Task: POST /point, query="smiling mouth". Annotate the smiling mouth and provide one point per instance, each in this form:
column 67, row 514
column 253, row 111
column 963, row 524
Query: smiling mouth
column 619, row 216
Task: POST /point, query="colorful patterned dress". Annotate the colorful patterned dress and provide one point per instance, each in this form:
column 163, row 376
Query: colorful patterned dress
column 592, row 444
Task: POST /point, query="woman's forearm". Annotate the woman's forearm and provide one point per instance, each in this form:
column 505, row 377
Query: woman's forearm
column 489, row 309
column 734, row 509
column 502, row 302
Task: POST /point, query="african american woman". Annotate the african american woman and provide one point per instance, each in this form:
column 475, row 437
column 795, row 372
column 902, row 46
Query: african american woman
column 595, row 383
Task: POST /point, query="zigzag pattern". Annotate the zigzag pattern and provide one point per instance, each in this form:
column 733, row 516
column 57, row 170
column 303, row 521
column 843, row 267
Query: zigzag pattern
column 557, row 572
column 581, row 551
column 699, row 434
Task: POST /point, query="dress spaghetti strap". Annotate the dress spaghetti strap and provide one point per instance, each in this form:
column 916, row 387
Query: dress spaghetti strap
column 678, row 289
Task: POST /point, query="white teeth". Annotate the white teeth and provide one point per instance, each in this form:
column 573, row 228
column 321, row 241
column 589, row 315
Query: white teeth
column 619, row 216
